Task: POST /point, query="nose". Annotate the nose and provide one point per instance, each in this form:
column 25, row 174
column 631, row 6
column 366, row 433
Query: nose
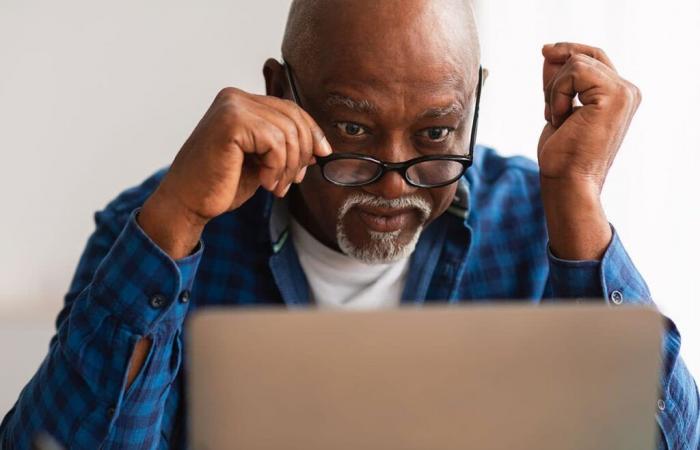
column 390, row 186
column 395, row 148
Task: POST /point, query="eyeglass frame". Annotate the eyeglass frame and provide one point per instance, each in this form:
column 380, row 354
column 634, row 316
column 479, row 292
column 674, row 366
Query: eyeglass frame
column 400, row 167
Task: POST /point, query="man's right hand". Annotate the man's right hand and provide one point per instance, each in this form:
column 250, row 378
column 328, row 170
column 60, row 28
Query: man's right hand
column 244, row 141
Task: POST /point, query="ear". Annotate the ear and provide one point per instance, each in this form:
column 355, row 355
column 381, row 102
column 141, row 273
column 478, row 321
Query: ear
column 275, row 81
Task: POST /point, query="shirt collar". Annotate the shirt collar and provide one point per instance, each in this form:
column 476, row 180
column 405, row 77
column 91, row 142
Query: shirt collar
column 277, row 210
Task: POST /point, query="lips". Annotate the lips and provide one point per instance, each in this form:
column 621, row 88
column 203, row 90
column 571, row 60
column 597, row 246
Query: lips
column 385, row 221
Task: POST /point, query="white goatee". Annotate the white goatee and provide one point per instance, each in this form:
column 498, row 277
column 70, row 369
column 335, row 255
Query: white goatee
column 384, row 247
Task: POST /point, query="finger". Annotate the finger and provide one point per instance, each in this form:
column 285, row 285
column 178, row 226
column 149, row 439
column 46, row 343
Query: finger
column 298, row 116
column 562, row 51
column 291, row 136
column 582, row 76
column 300, row 176
column 321, row 145
column 306, row 138
column 549, row 71
column 271, row 149
column 552, row 70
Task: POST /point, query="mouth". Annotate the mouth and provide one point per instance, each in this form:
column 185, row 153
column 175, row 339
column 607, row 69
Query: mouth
column 385, row 220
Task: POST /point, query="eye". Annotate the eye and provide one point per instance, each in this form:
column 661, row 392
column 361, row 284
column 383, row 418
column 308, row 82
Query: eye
column 436, row 134
column 351, row 129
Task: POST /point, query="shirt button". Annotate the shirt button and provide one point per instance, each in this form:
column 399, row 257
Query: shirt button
column 185, row 296
column 158, row 301
column 617, row 297
column 661, row 404
column 110, row 412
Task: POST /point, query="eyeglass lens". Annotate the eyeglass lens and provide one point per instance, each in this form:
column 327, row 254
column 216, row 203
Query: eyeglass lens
column 359, row 171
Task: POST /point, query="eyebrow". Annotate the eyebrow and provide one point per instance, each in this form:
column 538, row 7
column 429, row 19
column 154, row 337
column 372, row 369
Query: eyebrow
column 435, row 113
column 358, row 105
column 366, row 106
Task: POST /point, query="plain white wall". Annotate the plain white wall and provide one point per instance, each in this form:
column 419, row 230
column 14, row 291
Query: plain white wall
column 651, row 195
column 95, row 96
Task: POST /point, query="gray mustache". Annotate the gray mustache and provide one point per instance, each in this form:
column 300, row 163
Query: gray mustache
column 360, row 199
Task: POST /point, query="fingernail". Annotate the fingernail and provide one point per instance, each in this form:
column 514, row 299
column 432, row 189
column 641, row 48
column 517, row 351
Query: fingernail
column 326, row 147
column 285, row 190
column 272, row 188
column 300, row 176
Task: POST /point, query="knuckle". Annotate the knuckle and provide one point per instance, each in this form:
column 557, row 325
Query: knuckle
column 298, row 114
column 290, row 131
column 283, row 104
column 627, row 90
column 636, row 93
column 598, row 52
column 579, row 66
column 227, row 94
column 277, row 137
column 579, row 59
column 231, row 112
column 289, row 104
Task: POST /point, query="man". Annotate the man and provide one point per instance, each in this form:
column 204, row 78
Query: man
column 254, row 211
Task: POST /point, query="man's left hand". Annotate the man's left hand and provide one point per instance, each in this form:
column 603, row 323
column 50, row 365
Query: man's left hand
column 579, row 143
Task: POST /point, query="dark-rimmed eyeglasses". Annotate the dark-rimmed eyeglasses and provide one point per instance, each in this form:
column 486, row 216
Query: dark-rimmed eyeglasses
column 355, row 169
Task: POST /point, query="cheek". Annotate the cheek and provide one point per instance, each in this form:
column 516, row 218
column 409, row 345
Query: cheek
column 323, row 201
column 442, row 199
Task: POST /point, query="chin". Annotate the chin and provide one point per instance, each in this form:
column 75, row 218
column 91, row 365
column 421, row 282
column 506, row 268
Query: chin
column 377, row 247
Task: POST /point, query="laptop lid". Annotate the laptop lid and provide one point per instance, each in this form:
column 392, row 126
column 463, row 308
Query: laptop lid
column 504, row 377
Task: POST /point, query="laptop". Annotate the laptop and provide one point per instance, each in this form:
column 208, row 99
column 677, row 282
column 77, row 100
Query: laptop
column 573, row 377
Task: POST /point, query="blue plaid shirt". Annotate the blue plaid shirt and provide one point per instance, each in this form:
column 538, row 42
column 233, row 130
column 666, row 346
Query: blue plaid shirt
column 491, row 244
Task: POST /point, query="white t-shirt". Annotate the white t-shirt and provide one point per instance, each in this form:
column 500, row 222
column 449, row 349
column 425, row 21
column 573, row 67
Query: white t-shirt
column 340, row 281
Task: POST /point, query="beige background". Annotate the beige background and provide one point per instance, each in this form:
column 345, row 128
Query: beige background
column 95, row 96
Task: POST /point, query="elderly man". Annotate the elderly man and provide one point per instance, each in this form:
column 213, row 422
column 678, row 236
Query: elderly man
column 354, row 183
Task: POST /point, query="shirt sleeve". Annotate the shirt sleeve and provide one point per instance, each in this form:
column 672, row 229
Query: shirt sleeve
column 125, row 288
column 616, row 279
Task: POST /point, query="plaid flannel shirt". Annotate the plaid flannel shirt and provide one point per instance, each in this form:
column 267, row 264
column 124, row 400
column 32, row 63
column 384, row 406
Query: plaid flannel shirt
column 491, row 244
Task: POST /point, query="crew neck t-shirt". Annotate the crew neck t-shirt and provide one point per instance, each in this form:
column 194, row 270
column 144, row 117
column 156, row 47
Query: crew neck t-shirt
column 338, row 281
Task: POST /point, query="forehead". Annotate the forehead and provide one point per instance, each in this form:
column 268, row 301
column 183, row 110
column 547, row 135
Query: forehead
column 425, row 91
column 417, row 58
column 390, row 72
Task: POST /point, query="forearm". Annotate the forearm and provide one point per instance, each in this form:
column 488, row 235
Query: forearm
column 82, row 387
column 175, row 230
column 576, row 223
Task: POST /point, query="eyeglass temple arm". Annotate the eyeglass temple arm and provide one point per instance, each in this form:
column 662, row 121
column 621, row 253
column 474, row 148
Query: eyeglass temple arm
column 475, row 122
column 290, row 81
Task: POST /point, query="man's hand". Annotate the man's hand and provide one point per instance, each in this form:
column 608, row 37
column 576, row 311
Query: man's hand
column 579, row 143
column 244, row 141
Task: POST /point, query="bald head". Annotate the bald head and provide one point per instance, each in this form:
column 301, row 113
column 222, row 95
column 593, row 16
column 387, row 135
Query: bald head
column 410, row 31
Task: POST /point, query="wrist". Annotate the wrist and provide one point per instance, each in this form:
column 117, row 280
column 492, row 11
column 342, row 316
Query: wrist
column 576, row 223
column 172, row 227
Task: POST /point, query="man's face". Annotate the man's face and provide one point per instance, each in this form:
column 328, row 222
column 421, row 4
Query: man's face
column 393, row 94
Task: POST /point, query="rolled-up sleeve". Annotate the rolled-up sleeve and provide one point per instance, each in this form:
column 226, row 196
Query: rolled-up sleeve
column 125, row 288
column 616, row 280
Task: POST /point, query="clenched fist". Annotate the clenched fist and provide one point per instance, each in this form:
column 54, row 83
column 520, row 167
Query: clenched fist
column 243, row 142
column 588, row 109
column 580, row 142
